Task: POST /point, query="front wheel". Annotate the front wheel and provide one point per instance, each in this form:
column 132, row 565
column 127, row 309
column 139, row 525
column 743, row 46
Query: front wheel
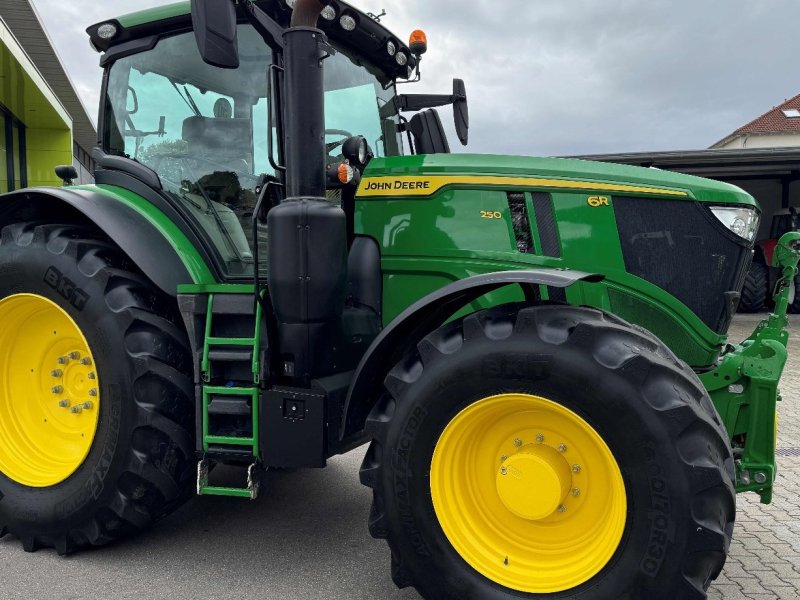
column 549, row 450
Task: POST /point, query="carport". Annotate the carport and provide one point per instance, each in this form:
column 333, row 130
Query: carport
column 771, row 175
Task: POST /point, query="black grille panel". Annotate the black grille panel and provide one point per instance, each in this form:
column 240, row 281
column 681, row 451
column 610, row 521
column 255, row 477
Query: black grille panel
column 681, row 247
column 546, row 225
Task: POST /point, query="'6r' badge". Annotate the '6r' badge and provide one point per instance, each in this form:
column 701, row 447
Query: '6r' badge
column 595, row 201
column 66, row 288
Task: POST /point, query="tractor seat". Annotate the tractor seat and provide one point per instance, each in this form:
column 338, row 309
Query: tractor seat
column 223, row 142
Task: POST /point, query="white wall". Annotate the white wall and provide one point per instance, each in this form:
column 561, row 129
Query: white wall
column 761, row 140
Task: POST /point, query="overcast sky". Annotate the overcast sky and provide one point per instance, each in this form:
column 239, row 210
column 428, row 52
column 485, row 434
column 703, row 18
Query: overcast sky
column 561, row 77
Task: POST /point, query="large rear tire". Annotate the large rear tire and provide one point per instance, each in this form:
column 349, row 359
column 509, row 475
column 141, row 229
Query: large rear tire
column 549, row 450
column 756, row 288
column 102, row 441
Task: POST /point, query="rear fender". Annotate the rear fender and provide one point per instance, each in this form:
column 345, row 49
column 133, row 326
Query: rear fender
column 145, row 235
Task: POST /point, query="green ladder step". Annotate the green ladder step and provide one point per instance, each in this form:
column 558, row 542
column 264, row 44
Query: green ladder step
column 251, row 441
column 203, row 489
column 210, row 490
column 210, row 340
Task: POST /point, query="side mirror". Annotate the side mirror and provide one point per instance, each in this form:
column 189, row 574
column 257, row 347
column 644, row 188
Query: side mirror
column 214, row 23
column 461, row 110
column 66, row 173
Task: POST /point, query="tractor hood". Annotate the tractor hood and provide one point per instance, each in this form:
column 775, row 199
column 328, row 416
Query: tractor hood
column 552, row 172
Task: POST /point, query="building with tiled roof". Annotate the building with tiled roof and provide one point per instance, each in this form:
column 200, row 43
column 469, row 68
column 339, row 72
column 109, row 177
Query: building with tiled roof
column 776, row 128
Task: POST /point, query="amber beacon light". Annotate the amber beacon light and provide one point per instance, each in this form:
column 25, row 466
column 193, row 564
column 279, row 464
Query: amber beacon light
column 418, row 42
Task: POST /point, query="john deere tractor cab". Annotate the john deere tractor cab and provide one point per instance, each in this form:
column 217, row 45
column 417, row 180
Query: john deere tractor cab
column 277, row 265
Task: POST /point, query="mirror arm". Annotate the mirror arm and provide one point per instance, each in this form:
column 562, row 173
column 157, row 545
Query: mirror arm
column 266, row 27
column 415, row 102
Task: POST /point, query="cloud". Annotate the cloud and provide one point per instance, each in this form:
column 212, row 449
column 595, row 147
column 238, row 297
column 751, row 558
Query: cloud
column 553, row 77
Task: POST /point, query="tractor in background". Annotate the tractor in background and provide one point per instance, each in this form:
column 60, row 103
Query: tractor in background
column 763, row 274
column 281, row 261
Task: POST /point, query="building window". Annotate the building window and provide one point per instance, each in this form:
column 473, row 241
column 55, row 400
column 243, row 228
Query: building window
column 14, row 168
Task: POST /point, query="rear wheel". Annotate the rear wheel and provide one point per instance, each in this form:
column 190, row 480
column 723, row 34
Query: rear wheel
column 756, row 288
column 96, row 408
column 549, row 450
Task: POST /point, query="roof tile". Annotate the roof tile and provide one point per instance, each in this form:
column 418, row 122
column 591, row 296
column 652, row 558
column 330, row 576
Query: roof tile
column 774, row 121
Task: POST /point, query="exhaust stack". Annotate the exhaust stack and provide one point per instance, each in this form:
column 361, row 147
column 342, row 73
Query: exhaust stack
column 307, row 234
column 304, row 111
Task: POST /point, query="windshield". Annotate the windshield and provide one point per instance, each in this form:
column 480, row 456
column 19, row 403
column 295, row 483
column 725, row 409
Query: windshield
column 356, row 97
column 205, row 130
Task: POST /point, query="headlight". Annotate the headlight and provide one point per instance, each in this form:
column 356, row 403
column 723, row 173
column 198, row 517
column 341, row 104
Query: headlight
column 356, row 150
column 741, row 221
column 348, row 22
column 329, row 13
column 106, row 31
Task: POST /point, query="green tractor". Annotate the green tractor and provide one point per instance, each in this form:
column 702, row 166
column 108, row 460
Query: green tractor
column 278, row 263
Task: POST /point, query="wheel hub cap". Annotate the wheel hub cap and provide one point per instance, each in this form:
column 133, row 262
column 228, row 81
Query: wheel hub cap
column 533, row 482
column 49, row 392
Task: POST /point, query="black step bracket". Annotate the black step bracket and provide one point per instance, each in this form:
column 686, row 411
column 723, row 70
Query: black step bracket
column 234, row 304
column 230, row 355
column 221, row 405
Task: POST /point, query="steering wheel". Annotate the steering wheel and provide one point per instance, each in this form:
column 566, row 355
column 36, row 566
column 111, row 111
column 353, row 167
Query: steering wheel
column 331, row 145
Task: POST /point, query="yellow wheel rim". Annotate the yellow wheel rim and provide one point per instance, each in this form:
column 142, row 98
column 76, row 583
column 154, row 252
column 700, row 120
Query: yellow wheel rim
column 528, row 493
column 49, row 392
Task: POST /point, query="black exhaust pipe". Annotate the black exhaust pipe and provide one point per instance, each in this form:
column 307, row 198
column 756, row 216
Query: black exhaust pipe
column 304, row 110
column 307, row 234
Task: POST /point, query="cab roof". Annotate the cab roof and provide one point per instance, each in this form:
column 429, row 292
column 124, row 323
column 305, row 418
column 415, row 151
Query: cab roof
column 370, row 39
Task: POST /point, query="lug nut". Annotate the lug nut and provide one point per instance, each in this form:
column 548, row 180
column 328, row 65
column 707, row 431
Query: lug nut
column 86, row 361
column 518, row 442
column 576, row 468
column 562, row 448
column 503, row 471
column 75, row 410
column 91, row 376
column 504, row 458
column 74, row 355
column 562, row 508
column 539, row 438
column 93, row 392
column 56, row 373
column 88, row 405
column 64, row 403
column 57, row 389
column 62, row 360
column 576, row 492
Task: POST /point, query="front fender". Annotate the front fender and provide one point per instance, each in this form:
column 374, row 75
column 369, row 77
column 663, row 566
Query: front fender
column 153, row 242
column 426, row 315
